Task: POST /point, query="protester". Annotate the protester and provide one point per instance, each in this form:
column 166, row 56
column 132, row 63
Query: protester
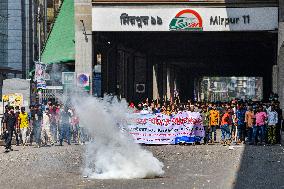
column 272, row 120
column 240, row 115
column 65, row 133
column 75, row 126
column 214, row 121
column 23, row 122
column 30, row 128
column 240, row 121
column 226, row 134
column 259, row 132
column 9, row 128
column 205, row 120
column 5, row 114
column 45, row 130
column 278, row 125
column 17, row 129
column 250, row 123
column 37, row 125
column 54, row 121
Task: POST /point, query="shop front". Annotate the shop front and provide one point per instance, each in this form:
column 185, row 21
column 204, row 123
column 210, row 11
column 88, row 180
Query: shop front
column 158, row 50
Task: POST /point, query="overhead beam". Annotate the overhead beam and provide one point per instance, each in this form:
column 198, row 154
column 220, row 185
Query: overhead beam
column 194, row 2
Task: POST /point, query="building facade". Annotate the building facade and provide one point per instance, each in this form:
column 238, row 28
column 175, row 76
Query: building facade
column 3, row 33
column 16, row 39
column 133, row 66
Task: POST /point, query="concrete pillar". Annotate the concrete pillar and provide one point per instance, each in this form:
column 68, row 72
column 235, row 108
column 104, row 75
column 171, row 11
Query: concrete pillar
column 280, row 60
column 164, row 81
column 275, row 79
column 155, row 82
column 83, row 43
column 172, row 82
column 168, row 89
column 280, row 89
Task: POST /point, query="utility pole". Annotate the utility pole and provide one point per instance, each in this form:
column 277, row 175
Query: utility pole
column 39, row 32
column 39, row 47
column 45, row 19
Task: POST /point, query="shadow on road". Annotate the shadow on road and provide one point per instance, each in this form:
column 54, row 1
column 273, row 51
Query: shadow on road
column 261, row 167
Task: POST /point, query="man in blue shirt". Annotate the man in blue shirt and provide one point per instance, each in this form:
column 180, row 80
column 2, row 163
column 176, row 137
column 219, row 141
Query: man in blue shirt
column 240, row 115
column 65, row 131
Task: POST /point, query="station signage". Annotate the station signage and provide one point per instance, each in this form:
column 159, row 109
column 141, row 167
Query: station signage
column 169, row 18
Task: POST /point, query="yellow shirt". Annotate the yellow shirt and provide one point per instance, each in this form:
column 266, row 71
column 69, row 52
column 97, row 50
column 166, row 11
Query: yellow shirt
column 214, row 117
column 24, row 120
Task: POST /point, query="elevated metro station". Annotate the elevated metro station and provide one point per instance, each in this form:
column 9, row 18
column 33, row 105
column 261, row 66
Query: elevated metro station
column 151, row 49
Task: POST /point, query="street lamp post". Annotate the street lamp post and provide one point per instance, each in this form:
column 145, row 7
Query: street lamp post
column 39, row 50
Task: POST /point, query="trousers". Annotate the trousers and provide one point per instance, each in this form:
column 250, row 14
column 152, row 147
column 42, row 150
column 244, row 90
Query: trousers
column 226, row 134
column 65, row 133
column 212, row 130
column 23, row 132
column 271, row 138
column 46, row 134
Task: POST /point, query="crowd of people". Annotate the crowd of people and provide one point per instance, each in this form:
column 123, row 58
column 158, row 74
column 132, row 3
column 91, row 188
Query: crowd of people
column 42, row 125
column 240, row 121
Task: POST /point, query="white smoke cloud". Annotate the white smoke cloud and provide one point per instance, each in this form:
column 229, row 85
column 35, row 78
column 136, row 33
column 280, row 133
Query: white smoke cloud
column 112, row 154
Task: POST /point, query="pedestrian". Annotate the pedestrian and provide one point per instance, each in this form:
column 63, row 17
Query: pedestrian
column 234, row 130
column 17, row 131
column 278, row 125
column 54, row 120
column 9, row 128
column 5, row 114
column 23, row 122
column 240, row 115
column 214, row 121
column 250, row 123
column 65, row 133
column 45, row 130
column 259, row 131
column 226, row 136
column 37, row 123
column 272, row 120
column 205, row 121
column 75, row 126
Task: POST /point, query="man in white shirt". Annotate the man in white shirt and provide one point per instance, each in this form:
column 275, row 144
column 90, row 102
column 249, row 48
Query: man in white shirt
column 272, row 120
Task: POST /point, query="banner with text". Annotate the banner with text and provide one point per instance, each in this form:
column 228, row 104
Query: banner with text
column 184, row 127
column 183, row 18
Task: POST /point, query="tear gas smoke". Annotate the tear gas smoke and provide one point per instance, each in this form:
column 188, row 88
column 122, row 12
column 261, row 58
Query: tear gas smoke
column 112, row 154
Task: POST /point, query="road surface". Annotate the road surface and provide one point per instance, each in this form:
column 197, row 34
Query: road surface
column 203, row 166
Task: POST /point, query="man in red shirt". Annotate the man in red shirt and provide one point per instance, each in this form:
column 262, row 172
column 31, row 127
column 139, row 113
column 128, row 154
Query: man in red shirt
column 225, row 123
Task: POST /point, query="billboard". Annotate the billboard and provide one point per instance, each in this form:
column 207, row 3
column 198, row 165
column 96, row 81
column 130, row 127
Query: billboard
column 183, row 18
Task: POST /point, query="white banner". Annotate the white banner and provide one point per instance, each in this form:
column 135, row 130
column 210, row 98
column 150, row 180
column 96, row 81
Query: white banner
column 185, row 127
column 40, row 75
column 183, row 18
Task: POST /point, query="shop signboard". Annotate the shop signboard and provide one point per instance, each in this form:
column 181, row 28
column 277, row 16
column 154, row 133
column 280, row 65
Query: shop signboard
column 13, row 99
column 41, row 84
column 83, row 81
column 68, row 78
column 183, row 18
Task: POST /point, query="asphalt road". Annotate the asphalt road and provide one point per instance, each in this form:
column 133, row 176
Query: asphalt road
column 204, row 166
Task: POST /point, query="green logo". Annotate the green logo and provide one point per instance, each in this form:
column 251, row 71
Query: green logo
column 186, row 20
